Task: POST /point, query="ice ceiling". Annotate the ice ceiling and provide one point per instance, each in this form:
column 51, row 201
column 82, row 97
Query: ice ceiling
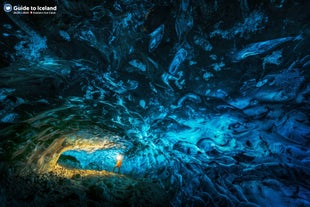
column 208, row 102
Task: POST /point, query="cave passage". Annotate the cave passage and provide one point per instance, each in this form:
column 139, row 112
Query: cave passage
column 95, row 160
column 200, row 103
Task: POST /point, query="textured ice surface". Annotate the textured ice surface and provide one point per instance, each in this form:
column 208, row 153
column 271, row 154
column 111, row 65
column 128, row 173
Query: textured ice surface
column 177, row 60
column 262, row 47
column 156, row 37
column 253, row 22
column 208, row 102
column 31, row 48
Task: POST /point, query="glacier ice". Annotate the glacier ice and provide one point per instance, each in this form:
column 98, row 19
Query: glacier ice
column 208, row 102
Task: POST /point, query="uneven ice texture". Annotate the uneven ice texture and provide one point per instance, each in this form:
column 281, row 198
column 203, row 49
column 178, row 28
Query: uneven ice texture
column 207, row 102
column 156, row 37
column 177, row 61
column 254, row 22
column 31, row 48
column 262, row 47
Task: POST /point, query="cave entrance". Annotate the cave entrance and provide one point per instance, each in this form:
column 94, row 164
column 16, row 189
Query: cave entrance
column 103, row 159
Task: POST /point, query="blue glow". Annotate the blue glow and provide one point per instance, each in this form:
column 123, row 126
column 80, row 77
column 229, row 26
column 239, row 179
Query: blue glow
column 262, row 47
column 156, row 37
column 208, row 102
column 31, row 48
column 253, row 22
column 177, row 60
column 98, row 160
column 65, row 35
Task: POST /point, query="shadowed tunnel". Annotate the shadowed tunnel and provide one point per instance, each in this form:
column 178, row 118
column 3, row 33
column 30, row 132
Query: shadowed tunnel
column 155, row 103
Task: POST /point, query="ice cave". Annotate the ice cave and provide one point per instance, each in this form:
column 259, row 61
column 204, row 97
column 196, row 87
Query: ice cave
column 155, row 103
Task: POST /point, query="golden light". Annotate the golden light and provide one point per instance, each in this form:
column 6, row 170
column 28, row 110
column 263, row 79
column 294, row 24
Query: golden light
column 119, row 157
column 44, row 160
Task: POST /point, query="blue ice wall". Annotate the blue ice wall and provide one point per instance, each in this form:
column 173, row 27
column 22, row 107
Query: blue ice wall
column 208, row 98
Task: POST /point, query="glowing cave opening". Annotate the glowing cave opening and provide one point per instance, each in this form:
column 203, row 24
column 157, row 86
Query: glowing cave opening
column 103, row 159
